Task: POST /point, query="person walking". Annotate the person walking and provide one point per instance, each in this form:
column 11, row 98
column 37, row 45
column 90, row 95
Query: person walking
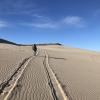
column 34, row 47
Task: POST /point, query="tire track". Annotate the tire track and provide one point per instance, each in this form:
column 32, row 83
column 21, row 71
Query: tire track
column 33, row 83
column 47, row 67
column 17, row 74
column 53, row 91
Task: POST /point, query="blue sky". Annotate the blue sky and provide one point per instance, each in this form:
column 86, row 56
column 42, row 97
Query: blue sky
column 74, row 23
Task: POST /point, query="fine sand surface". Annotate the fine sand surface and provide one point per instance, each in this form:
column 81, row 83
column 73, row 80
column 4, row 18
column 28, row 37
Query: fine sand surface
column 10, row 57
column 56, row 73
column 77, row 70
column 33, row 83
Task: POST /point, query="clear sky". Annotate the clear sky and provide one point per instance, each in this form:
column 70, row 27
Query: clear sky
column 74, row 23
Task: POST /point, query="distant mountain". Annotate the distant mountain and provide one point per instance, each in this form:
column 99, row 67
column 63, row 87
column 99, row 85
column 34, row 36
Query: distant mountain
column 9, row 42
column 50, row 44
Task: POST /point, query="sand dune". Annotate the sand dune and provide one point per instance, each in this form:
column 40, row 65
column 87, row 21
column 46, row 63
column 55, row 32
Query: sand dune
column 10, row 57
column 79, row 73
column 56, row 73
column 33, row 83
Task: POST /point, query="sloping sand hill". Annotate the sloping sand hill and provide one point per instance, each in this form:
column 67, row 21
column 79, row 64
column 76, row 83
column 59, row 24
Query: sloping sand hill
column 55, row 73
column 77, row 70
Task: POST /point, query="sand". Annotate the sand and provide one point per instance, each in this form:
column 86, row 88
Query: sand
column 79, row 72
column 33, row 83
column 56, row 73
column 10, row 57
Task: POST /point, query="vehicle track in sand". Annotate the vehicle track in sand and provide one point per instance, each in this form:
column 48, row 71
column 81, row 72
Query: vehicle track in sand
column 8, row 85
column 33, row 83
column 57, row 83
column 53, row 91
